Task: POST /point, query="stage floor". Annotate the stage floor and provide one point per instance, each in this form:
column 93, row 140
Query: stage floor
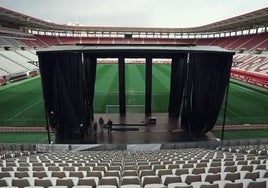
column 132, row 129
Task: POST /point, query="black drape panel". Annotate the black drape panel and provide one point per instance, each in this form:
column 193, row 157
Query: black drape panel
column 47, row 75
column 208, row 78
column 122, row 86
column 90, row 64
column 148, row 86
column 62, row 78
column 177, row 83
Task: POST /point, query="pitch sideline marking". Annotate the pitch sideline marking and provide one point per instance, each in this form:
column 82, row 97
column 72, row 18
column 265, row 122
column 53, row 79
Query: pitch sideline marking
column 25, row 109
column 234, row 113
column 249, row 91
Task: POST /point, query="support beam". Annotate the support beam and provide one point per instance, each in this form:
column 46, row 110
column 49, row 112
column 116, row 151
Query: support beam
column 122, row 90
column 148, row 86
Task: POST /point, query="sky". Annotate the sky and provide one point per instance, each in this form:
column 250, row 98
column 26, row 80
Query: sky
column 134, row 13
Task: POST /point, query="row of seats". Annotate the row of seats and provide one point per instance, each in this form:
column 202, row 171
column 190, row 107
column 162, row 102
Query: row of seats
column 164, row 168
column 251, row 63
column 248, row 42
column 146, row 182
column 255, row 149
column 17, row 61
column 226, row 175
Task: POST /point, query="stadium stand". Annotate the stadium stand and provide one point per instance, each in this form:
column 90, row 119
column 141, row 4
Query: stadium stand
column 47, row 40
column 11, row 67
column 69, row 40
column 254, row 41
column 27, row 54
column 249, row 42
column 17, row 64
column 251, row 63
column 251, row 68
column 16, row 57
column 242, row 163
column 33, row 42
column 232, row 164
column 8, row 41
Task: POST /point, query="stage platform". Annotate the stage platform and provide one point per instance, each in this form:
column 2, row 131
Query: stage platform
column 134, row 129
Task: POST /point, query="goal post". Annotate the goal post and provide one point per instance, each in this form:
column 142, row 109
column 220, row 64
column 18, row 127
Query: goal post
column 134, row 113
column 130, row 109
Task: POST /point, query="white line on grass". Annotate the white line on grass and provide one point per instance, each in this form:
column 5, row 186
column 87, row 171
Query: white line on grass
column 234, row 113
column 250, row 91
column 25, row 109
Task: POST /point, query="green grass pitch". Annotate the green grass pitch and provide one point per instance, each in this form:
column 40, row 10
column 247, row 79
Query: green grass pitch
column 21, row 103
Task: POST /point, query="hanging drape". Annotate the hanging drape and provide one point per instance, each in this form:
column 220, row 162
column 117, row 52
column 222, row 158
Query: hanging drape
column 198, row 83
column 208, row 75
column 64, row 95
column 90, row 64
column 177, row 83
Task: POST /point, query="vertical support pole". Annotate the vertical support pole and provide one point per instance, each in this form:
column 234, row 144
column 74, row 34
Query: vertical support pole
column 225, row 109
column 122, row 90
column 148, row 86
column 47, row 126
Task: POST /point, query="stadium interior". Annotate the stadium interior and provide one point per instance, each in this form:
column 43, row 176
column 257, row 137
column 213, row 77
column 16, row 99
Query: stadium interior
column 148, row 157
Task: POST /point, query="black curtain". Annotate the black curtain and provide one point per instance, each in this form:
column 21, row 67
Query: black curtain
column 208, row 77
column 63, row 90
column 47, row 76
column 90, row 64
column 177, row 83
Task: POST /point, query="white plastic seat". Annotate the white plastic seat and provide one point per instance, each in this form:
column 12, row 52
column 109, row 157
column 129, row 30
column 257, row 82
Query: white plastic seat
column 222, row 183
column 150, row 180
column 198, row 184
column 173, row 185
column 126, row 180
column 52, row 179
column 93, row 178
column 155, row 185
column 257, row 184
column 106, row 186
column 263, row 179
column 244, row 181
column 108, row 179
column 130, row 186
column 82, row 186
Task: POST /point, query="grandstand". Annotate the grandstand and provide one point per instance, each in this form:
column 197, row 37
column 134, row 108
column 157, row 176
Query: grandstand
column 102, row 161
column 249, row 37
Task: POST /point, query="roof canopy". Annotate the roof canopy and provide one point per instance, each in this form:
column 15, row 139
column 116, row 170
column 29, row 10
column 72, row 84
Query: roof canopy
column 157, row 51
column 255, row 19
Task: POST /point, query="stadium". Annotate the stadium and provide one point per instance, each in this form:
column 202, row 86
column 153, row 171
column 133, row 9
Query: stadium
column 133, row 76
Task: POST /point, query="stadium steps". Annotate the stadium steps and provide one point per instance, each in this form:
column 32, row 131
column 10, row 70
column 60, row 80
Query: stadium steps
column 259, row 44
column 246, row 42
column 59, row 41
column 13, row 61
column 22, row 55
column 4, row 72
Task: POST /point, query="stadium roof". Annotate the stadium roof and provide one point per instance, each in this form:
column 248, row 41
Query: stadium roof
column 130, row 50
column 255, row 19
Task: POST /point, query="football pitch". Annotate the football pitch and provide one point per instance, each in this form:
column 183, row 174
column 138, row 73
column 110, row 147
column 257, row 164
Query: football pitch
column 21, row 103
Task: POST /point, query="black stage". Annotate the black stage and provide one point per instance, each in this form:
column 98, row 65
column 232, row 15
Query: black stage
column 134, row 129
